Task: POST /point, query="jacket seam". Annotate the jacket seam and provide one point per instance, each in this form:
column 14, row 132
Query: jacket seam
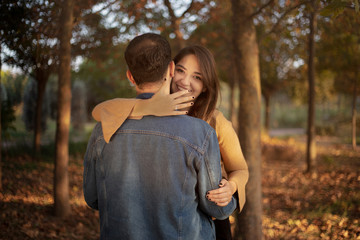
column 210, row 173
column 162, row 134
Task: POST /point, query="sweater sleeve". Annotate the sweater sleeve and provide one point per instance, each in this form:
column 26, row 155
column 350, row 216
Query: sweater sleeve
column 113, row 113
column 232, row 156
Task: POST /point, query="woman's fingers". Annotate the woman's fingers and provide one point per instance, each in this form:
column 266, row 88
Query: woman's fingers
column 179, row 94
column 184, row 105
column 183, row 100
column 220, row 200
column 223, row 182
column 222, row 204
column 221, row 196
column 179, row 113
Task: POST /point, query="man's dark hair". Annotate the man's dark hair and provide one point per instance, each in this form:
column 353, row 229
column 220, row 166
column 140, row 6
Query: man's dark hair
column 148, row 57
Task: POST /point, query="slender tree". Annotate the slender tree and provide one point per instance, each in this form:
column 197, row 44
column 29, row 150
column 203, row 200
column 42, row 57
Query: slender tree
column 343, row 61
column 246, row 53
column 0, row 121
column 61, row 178
column 353, row 132
column 30, row 38
column 311, row 142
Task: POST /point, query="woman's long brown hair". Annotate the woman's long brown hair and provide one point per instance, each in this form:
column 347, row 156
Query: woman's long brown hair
column 205, row 103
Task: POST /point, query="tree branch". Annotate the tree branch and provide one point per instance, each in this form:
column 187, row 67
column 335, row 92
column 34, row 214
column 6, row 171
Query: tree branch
column 78, row 19
column 285, row 14
column 105, row 7
column 189, row 8
column 261, row 8
column 171, row 11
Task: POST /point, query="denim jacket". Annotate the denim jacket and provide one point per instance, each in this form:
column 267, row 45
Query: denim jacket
column 150, row 181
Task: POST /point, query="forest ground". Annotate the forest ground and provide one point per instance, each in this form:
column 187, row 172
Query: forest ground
column 296, row 205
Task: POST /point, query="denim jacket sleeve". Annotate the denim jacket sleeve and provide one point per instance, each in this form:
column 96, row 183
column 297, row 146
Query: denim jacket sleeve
column 209, row 178
column 89, row 177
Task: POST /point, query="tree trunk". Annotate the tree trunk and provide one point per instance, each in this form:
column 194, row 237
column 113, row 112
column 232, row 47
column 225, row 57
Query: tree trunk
column 175, row 25
column 249, row 224
column 354, row 114
column 41, row 78
column 267, row 114
column 311, row 143
column 0, row 122
column 233, row 99
column 61, row 178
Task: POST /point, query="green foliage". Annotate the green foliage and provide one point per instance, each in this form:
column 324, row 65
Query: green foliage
column 51, row 94
column 13, row 85
column 218, row 42
column 288, row 116
column 336, row 7
column 78, row 105
column 339, row 52
column 30, row 36
column 29, row 107
column 11, row 92
column 7, row 117
column 331, row 116
column 105, row 78
column 325, row 86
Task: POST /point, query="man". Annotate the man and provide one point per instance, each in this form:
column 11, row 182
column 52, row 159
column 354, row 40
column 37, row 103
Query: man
column 150, row 181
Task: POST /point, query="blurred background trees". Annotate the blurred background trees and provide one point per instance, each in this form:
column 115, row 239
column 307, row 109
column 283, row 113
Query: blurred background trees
column 263, row 53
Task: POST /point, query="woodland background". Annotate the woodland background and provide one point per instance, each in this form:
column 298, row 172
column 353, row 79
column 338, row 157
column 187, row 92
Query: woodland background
column 289, row 74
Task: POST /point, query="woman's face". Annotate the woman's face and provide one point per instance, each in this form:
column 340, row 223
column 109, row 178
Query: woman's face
column 188, row 76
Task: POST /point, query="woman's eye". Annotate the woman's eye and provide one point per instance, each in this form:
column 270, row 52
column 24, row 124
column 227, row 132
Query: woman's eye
column 197, row 78
column 179, row 70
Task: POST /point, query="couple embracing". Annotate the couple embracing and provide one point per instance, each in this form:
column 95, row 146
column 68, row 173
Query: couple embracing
column 164, row 166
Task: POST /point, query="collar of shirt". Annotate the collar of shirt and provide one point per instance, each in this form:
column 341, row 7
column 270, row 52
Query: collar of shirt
column 144, row 95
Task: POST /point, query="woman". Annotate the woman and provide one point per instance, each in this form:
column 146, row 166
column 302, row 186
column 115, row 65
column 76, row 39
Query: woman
column 195, row 83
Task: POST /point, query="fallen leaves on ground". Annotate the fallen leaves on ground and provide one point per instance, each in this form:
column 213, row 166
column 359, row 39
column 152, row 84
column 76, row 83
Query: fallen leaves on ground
column 320, row 205
column 296, row 205
column 26, row 204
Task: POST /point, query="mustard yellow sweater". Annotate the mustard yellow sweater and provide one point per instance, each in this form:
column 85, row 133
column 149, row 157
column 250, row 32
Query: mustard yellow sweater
column 113, row 113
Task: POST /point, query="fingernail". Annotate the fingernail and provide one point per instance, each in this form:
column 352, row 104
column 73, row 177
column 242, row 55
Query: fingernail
column 189, row 90
column 186, row 112
column 191, row 103
column 193, row 97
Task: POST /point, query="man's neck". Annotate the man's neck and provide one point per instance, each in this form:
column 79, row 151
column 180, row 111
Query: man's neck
column 148, row 88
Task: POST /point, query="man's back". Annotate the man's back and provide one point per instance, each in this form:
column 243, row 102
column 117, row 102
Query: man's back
column 151, row 180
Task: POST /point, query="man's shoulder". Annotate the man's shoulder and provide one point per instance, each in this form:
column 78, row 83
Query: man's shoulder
column 97, row 131
column 185, row 121
column 190, row 128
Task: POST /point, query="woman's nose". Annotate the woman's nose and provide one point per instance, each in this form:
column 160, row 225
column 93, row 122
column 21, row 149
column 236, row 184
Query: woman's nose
column 186, row 81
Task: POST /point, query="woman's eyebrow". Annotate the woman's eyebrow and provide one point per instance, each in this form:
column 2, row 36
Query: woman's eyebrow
column 179, row 65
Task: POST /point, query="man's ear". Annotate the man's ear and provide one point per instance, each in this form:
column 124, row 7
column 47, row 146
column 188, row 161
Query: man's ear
column 172, row 69
column 130, row 77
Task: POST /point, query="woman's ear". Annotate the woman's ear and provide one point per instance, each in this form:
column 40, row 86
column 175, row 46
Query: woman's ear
column 130, row 77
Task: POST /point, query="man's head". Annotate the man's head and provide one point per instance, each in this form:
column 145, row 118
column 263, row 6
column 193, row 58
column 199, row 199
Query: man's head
column 148, row 57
